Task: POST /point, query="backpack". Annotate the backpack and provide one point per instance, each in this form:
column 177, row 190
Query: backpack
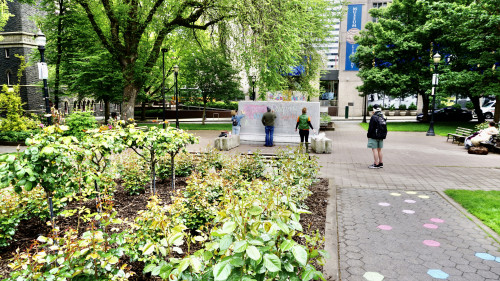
column 381, row 128
column 235, row 121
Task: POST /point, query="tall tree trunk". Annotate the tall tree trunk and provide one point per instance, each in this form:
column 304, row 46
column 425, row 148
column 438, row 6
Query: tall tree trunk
column 130, row 92
column 204, row 111
column 477, row 109
column 62, row 10
column 106, row 111
column 143, row 110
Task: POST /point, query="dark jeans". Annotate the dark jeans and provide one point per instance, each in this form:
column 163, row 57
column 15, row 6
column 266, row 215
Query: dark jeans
column 304, row 134
column 269, row 135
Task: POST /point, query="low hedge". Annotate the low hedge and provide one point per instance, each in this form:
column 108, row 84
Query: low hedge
column 12, row 136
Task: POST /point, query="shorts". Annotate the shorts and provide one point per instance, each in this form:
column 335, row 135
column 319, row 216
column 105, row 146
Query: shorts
column 373, row 143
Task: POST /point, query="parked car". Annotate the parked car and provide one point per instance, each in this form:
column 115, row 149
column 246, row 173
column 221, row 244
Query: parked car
column 449, row 114
column 488, row 110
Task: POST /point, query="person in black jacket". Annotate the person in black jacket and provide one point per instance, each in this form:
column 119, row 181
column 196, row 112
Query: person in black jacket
column 377, row 131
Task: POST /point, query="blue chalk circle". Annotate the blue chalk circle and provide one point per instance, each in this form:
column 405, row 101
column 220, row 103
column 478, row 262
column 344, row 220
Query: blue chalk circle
column 497, row 259
column 485, row 256
column 438, row 274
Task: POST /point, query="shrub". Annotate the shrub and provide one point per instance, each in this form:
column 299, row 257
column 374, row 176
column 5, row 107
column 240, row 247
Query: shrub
column 370, row 107
column 457, row 106
column 402, row 107
column 135, row 175
column 392, row 107
column 412, row 106
column 184, row 165
column 10, row 215
column 17, row 136
column 469, row 105
column 79, row 122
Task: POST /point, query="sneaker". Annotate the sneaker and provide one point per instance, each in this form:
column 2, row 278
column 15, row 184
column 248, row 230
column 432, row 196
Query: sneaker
column 373, row 166
column 380, row 165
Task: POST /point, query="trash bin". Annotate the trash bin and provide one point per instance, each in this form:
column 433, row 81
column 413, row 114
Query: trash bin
column 346, row 111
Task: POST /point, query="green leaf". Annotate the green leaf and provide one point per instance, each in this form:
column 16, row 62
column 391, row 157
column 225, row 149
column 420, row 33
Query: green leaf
column 253, row 253
column 288, row 267
column 149, row 268
column 222, row 271
column 287, row 245
column 240, row 246
column 255, row 210
column 237, row 262
column 48, row 150
column 324, row 253
column 308, row 274
column 283, row 226
column 148, row 249
column 228, row 227
column 225, row 242
column 272, row 262
column 300, row 254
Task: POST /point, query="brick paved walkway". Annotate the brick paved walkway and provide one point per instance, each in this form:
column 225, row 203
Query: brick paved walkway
column 381, row 228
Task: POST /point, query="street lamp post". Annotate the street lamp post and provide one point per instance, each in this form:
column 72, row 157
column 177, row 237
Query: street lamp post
column 253, row 86
column 176, row 73
column 435, row 80
column 40, row 41
column 163, row 86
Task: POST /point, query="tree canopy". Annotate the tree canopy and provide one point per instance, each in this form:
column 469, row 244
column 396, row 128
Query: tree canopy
column 269, row 35
column 395, row 53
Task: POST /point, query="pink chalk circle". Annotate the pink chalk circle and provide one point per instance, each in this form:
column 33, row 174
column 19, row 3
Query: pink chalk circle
column 430, row 225
column 384, row 204
column 408, row 211
column 410, row 201
column 385, row 227
column 436, row 220
column 431, row 243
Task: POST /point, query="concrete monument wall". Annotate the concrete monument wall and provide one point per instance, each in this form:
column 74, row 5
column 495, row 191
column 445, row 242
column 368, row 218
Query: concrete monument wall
column 252, row 130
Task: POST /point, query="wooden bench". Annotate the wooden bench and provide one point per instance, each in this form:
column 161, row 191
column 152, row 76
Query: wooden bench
column 459, row 135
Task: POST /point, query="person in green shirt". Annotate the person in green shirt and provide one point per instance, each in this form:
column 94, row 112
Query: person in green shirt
column 303, row 124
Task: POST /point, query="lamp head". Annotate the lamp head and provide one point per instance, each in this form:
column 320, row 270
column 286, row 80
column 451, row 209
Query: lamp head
column 254, row 78
column 436, row 58
column 176, row 68
column 40, row 39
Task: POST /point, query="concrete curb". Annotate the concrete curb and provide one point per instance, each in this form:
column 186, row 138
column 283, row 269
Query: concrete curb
column 331, row 268
column 470, row 216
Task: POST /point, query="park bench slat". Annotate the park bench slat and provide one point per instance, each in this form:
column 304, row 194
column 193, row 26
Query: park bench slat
column 459, row 135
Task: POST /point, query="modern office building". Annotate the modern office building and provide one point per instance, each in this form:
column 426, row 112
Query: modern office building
column 345, row 77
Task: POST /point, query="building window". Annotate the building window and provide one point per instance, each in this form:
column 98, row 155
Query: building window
column 9, row 77
column 7, row 53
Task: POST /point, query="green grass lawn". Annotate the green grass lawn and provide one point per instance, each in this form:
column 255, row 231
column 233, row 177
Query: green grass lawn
column 193, row 127
column 485, row 205
column 440, row 128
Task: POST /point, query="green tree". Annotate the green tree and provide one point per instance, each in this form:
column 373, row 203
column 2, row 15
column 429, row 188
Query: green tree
column 214, row 76
column 470, row 41
column 395, row 53
column 274, row 33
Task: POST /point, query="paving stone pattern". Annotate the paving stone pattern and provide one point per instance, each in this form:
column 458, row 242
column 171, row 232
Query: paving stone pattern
column 406, row 235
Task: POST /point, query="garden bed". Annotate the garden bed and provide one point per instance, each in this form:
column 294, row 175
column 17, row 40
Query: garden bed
column 127, row 207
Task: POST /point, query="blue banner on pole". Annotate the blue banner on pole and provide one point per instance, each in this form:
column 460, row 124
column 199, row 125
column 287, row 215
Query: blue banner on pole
column 354, row 13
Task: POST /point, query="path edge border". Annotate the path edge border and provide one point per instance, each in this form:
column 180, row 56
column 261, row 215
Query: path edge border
column 470, row 216
column 331, row 268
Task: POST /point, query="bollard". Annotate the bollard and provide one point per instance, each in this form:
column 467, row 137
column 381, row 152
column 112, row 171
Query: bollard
column 346, row 111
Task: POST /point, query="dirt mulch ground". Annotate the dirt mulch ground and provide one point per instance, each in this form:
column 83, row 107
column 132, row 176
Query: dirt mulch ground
column 127, row 207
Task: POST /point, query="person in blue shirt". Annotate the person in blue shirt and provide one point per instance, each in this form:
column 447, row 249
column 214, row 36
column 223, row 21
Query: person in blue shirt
column 236, row 121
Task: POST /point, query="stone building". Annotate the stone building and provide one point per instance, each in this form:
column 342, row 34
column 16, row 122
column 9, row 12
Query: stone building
column 18, row 38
